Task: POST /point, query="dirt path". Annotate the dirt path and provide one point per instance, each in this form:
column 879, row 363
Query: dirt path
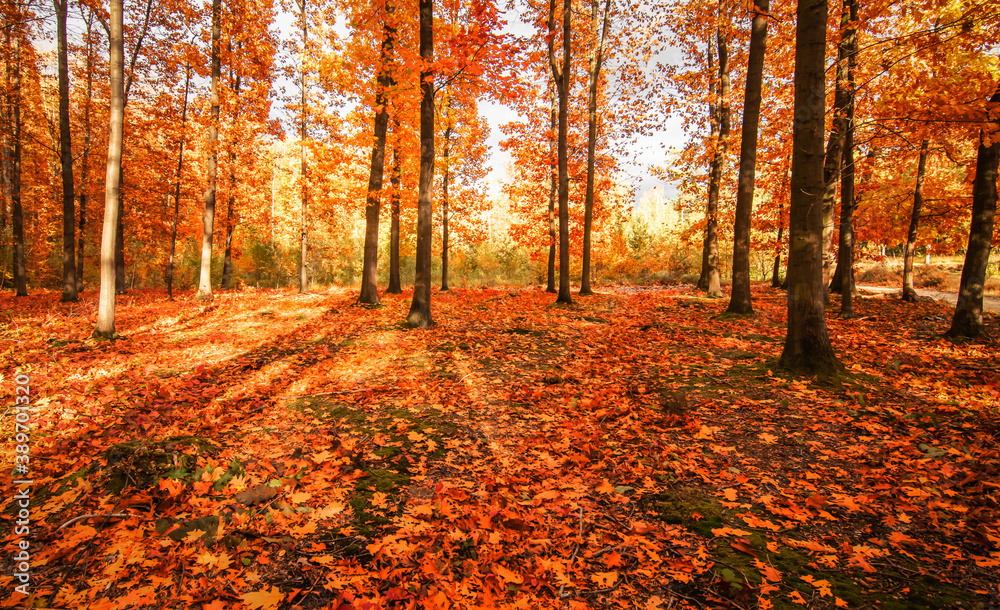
column 990, row 304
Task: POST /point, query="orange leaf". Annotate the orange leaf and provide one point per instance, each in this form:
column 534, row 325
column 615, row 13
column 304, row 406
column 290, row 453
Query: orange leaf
column 263, row 600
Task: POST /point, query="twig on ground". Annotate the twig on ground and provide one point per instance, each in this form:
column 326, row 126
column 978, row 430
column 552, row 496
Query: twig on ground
column 103, row 516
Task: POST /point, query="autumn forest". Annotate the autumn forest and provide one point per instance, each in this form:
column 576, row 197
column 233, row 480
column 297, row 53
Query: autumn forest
column 466, row 304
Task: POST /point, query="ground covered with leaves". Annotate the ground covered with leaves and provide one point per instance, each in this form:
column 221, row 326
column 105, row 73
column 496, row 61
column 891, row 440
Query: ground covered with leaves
column 638, row 449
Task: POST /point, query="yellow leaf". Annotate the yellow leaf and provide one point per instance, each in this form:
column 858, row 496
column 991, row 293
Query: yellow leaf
column 263, row 600
column 300, row 497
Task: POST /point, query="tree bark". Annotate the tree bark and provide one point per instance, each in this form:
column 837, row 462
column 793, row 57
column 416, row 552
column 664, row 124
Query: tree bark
column 909, row 294
column 208, row 222
column 106, row 304
column 561, row 76
column 369, row 270
column 553, row 187
column 833, row 161
column 85, row 162
column 227, row 260
column 177, row 186
column 845, row 248
column 420, row 307
column 807, row 342
column 740, row 300
column 968, row 319
column 303, row 135
column 66, row 158
column 712, row 283
column 395, row 179
column 594, row 69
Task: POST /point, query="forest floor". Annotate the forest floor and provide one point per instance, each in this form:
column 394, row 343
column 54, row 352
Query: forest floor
column 638, row 449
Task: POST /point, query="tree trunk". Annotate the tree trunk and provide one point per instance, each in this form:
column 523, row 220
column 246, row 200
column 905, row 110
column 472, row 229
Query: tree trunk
column 844, row 276
column 807, row 343
column 17, row 213
column 713, row 140
column 775, row 279
column 446, row 153
column 208, row 223
column 833, row 161
column 740, row 301
column 420, row 307
column 968, row 320
column 553, row 187
column 594, row 69
column 85, row 162
column 177, row 186
column 394, row 284
column 710, row 256
column 304, row 134
column 66, row 159
column 120, row 239
column 369, row 271
column 909, row 294
column 561, row 76
column 106, row 305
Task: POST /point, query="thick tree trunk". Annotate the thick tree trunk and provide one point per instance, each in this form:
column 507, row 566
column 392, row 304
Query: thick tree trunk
column 553, row 188
column 594, row 70
column 369, row 270
column 740, row 301
column 833, row 161
column 208, row 222
column 420, row 307
column 710, row 257
column 177, row 186
column 968, row 320
column 807, row 343
column 561, row 76
column 106, row 304
column 66, row 159
column 909, row 294
column 394, row 284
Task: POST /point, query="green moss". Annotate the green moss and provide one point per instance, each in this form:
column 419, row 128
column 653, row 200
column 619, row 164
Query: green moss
column 141, row 464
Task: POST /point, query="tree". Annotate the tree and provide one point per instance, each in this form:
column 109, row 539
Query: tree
column 561, row 76
column 85, row 164
column 369, row 270
column 235, row 77
column 106, row 304
column 395, row 179
column 807, row 343
column 843, row 276
column 208, row 222
column 720, row 122
column 553, row 187
column 446, row 177
column 304, row 233
column 177, row 185
column 596, row 57
column 968, row 318
column 14, row 100
column 739, row 301
column 420, row 307
column 909, row 294
column 66, row 159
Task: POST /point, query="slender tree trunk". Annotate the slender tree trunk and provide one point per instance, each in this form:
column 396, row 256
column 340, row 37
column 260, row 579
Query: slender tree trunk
column 833, row 162
column 807, row 343
column 775, row 278
column 17, row 213
column 844, row 277
column 740, row 301
column 106, row 304
column 553, row 187
column 6, row 154
column 909, row 293
column 120, row 241
column 713, row 140
column 713, row 283
column 594, row 69
column 395, row 179
column 208, row 222
column 420, row 307
column 968, row 320
column 446, row 153
column 561, row 76
column 304, row 232
column 85, row 161
column 66, row 159
column 177, row 185
column 227, row 261
column 369, row 271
